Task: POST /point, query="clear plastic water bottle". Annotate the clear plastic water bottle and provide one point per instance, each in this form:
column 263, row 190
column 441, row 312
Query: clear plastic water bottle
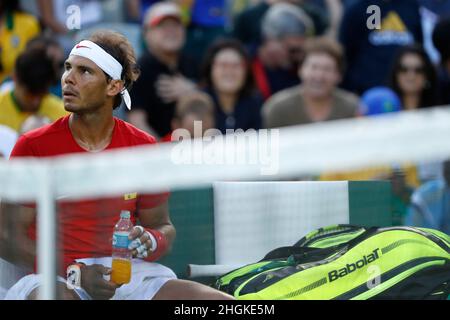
column 121, row 255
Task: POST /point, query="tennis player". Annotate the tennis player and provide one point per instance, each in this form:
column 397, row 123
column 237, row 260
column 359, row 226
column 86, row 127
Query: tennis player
column 98, row 74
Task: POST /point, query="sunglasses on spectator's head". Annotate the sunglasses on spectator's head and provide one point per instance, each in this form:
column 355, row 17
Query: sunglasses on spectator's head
column 416, row 70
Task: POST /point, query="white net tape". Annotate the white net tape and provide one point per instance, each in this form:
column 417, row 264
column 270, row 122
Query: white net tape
column 418, row 136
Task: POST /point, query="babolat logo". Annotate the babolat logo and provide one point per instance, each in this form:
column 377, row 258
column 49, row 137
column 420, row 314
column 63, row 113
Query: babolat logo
column 351, row 267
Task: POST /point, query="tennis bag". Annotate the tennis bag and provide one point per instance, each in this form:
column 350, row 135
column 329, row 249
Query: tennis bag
column 349, row 262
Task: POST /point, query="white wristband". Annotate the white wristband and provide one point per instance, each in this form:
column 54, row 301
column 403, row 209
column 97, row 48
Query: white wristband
column 73, row 277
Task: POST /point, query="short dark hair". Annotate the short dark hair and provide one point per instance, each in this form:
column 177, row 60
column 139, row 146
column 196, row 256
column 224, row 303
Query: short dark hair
column 35, row 70
column 45, row 42
column 120, row 48
column 214, row 49
column 42, row 41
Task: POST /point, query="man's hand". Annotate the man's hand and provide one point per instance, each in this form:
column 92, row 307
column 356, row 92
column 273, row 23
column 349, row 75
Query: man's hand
column 141, row 242
column 171, row 88
column 93, row 282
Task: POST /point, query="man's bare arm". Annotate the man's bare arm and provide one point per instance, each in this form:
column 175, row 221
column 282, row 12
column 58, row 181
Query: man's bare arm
column 156, row 219
column 15, row 245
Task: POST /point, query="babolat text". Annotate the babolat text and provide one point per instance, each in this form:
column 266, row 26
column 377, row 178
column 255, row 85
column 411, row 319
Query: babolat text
column 351, row 267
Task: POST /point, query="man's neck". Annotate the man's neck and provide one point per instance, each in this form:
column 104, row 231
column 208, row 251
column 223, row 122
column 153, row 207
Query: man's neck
column 318, row 108
column 169, row 59
column 93, row 131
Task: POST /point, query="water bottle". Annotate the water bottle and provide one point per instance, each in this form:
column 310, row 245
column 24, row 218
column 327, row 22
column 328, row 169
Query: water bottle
column 121, row 255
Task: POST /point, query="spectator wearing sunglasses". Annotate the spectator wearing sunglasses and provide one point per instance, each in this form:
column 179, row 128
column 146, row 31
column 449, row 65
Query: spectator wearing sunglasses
column 413, row 77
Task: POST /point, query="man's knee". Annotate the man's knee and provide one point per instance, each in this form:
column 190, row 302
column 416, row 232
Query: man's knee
column 62, row 293
column 34, row 295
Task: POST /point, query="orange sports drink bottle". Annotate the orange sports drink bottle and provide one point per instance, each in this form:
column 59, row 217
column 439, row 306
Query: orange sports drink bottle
column 121, row 255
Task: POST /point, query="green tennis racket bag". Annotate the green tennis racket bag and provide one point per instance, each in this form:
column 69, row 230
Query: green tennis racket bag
column 349, row 262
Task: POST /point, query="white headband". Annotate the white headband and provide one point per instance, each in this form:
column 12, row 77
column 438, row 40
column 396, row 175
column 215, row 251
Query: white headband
column 104, row 61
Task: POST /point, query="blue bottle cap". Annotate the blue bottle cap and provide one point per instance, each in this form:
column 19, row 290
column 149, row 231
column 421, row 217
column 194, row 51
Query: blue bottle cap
column 124, row 214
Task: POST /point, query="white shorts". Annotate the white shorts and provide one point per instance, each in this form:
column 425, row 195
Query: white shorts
column 146, row 280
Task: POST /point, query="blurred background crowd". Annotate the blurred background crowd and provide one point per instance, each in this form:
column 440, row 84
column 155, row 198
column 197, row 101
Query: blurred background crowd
column 243, row 64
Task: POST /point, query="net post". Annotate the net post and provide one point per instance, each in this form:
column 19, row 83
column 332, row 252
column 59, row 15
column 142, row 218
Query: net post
column 46, row 240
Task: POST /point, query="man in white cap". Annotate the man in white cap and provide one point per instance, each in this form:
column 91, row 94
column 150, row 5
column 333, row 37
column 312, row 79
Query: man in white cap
column 97, row 76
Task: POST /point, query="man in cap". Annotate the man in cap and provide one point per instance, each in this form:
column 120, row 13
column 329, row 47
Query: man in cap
column 165, row 71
